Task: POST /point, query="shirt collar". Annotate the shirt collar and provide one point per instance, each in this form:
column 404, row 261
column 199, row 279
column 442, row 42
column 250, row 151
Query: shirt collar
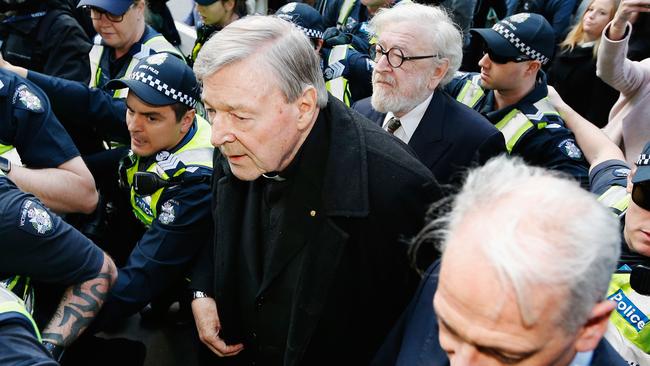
column 410, row 121
column 582, row 359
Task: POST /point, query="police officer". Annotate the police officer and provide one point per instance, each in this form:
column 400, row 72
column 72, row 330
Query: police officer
column 19, row 336
column 123, row 39
column 628, row 196
column 347, row 73
column 44, row 36
column 511, row 91
column 52, row 168
column 167, row 175
column 215, row 15
column 36, row 244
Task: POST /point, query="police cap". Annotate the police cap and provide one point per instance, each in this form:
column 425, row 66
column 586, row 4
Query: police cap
column 116, row 7
column 304, row 17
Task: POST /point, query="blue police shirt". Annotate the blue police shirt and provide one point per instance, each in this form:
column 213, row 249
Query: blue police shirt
column 608, row 173
column 38, row 244
column 356, row 67
column 19, row 345
column 28, row 123
column 552, row 147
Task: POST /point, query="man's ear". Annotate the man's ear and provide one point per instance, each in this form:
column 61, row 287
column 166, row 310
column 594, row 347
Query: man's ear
column 307, row 105
column 187, row 120
column 439, row 73
column 533, row 67
column 229, row 5
column 593, row 331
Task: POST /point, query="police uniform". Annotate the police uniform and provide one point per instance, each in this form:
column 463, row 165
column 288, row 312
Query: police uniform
column 20, row 340
column 347, row 72
column 627, row 331
column 35, row 242
column 176, row 215
column 532, row 128
column 104, row 66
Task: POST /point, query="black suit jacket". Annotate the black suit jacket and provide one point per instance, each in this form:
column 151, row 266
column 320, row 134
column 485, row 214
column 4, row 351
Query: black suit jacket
column 414, row 339
column 348, row 259
column 450, row 138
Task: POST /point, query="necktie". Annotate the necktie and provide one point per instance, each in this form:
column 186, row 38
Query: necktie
column 393, row 124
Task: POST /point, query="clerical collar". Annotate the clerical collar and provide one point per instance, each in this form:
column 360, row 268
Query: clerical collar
column 274, row 176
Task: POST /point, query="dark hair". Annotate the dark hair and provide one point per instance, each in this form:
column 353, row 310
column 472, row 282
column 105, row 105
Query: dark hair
column 179, row 110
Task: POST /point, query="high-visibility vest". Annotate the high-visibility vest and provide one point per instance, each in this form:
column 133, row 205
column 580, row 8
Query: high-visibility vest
column 5, row 148
column 339, row 86
column 629, row 318
column 153, row 45
column 616, row 198
column 12, row 307
column 197, row 152
column 515, row 124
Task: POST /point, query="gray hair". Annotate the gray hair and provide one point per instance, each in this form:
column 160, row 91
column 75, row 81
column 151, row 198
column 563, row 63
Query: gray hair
column 443, row 34
column 278, row 45
column 544, row 231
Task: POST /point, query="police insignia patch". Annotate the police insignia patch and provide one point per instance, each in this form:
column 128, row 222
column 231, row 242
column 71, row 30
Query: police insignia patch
column 333, row 71
column 621, row 172
column 35, row 219
column 28, row 99
column 168, row 212
column 519, row 18
column 570, row 149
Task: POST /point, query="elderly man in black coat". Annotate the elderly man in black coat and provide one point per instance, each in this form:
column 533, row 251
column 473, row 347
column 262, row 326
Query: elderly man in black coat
column 312, row 204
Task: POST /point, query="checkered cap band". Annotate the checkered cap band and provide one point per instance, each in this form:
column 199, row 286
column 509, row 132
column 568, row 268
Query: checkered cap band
column 163, row 87
column 311, row 33
column 521, row 46
column 644, row 159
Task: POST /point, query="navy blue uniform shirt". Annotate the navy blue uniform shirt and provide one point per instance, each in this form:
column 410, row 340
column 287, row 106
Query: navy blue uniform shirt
column 28, row 123
column 552, row 147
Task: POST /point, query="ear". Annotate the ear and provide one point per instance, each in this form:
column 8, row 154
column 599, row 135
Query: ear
column 593, row 331
column 438, row 74
column 229, row 5
column 533, row 67
column 187, row 120
column 319, row 44
column 307, row 105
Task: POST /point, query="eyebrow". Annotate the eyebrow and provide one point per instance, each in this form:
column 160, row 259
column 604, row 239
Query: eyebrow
column 491, row 350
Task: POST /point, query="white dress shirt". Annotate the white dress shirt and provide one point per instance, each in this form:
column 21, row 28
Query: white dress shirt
column 410, row 121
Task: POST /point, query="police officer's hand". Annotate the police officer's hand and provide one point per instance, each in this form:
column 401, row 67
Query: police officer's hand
column 208, row 325
column 625, row 12
column 334, row 37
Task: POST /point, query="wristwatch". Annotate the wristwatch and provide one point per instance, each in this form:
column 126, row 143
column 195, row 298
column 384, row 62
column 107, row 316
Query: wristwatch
column 5, row 165
column 199, row 295
column 54, row 350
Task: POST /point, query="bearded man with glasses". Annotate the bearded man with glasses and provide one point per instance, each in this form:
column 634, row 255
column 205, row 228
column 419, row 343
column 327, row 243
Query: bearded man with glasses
column 418, row 51
column 511, row 92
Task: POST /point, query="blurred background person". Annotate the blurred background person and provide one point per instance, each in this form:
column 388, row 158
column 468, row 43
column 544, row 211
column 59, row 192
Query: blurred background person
column 573, row 70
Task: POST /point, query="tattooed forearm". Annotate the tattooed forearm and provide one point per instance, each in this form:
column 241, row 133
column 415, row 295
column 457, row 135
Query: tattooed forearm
column 79, row 305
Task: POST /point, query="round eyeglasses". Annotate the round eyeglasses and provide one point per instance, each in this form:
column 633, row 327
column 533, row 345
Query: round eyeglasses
column 394, row 55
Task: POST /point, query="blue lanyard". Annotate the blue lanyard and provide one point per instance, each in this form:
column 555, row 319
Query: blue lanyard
column 20, row 18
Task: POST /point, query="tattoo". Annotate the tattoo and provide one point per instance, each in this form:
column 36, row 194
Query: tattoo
column 78, row 307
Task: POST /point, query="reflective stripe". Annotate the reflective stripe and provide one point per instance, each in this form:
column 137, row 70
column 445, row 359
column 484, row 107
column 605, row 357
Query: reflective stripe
column 616, row 198
column 155, row 44
column 471, row 92
column 338, row 87
column 10, row 303
column 21, row 287
column 625, row 316
column 514, row 125
column 5, row 148
column 344, row 12
column 196, row 152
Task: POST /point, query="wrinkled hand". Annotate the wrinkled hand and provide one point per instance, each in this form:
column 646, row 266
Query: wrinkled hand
column 208, row 325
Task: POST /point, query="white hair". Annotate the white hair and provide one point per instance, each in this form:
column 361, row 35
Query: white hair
column 443, row 35
column 540, row 230
column 279, row 46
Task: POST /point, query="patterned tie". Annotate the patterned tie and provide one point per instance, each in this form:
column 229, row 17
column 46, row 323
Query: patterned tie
column 392, row 125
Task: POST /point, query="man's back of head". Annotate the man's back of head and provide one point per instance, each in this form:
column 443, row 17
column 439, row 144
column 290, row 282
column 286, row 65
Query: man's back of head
column 527, row 258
